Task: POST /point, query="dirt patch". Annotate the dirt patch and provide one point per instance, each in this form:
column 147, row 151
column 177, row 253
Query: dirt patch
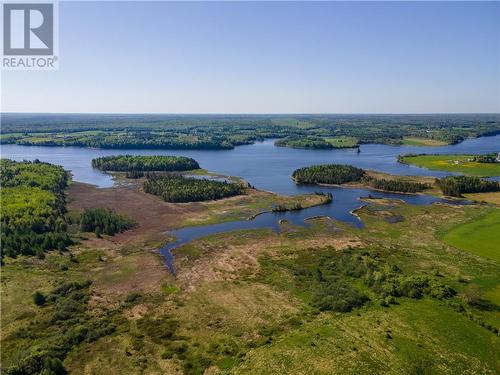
column 228, row 263
column 122, row 275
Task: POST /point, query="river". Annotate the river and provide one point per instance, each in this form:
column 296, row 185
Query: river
column 268, row 168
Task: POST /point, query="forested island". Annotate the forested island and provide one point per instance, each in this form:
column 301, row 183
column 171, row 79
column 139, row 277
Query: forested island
column 338, row 174
column 33, row 207
column 178, row 189
column 332, row 174
column 224, row 132
column 129, row 163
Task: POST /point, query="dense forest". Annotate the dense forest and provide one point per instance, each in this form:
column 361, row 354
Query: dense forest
column 334, row 174
column 228, row 131
column 103, row 221
column 455, row 186
column 127, row 163
column 33, row 208
column 175, row 188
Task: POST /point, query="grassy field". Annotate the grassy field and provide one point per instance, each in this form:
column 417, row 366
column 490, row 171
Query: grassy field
column 415, row 141
column 479, row 237
column 455, row 163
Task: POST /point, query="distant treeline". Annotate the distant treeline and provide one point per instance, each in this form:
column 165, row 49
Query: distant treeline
column 228, row 131
column 455, row 186
column 129, row 140
column 337, row 174
column 128, row 163
column 32, row 208
column 176, row 189
column 104, row 221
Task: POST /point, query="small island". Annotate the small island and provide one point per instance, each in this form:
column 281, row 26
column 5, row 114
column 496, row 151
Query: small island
column 473, row 165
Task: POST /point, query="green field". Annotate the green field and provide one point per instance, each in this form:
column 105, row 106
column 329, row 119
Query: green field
column 416, row 141
column 479, row 237
column 454, row 163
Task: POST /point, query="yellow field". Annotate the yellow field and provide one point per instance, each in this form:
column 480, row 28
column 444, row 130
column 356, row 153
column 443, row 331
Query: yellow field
column 416, row 141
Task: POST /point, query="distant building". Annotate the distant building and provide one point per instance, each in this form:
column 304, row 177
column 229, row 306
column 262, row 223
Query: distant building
column 498, row 158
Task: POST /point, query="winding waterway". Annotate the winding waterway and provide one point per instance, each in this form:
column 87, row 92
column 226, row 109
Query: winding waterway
column 268, row 168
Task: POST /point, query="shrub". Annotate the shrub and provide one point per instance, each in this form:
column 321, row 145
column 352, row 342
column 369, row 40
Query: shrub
column 39, row 299
column 337, row 296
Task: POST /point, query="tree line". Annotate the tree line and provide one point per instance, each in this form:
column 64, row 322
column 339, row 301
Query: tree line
column 455, row 186
column 129, row 163
column 177, row 189
column 397, row 185
column 33, row 208
column 228, row 131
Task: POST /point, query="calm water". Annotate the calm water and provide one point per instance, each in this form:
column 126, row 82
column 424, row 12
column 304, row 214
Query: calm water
column 267, row 168
column 263, row 165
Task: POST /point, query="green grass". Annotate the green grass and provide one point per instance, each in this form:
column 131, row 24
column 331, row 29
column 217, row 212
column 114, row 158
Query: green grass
column 416, row 337
column 416, row 141
column 455, row 163
column 479, row 237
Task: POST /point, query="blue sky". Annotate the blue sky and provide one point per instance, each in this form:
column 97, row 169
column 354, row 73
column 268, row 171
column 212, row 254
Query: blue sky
column 268, row 57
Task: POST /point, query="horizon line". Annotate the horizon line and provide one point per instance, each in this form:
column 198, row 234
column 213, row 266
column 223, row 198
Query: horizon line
column 249, row 113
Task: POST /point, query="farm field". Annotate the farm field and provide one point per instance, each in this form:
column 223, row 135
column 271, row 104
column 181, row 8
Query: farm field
column 454, row 163
column 479, row 237
column 415, row 141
